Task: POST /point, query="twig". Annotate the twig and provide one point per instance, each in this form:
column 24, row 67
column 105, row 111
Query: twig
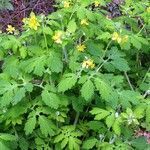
column 126, row 75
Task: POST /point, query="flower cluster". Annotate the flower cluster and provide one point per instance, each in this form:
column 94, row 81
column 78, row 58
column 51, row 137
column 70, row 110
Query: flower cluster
column 58, row 37
column 120, row 39
column 32, row 22
column 81, row 47
column 88, row 64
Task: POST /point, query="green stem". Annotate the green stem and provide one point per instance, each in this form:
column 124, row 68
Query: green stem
column 76, row 118
column 45, row 39
column 39, row 85
column 65, row 54
column 141, row 29
column 126, row 75
column 146, row 75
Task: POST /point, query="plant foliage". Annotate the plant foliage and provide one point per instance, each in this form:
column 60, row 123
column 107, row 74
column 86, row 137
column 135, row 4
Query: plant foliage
column 77, row 79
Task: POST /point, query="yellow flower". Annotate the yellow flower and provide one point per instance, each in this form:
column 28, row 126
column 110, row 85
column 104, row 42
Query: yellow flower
column 84, row 22
column 125, row 39
column 0, row 31
column 81, row 47
column 58, row 37
column 33, row 22
column 66, row 4
column 24, row 20
column 148, row 9
column 119, row 39
column 96, row 3
column 116, row 37
column 88, row 64
column 10, row 29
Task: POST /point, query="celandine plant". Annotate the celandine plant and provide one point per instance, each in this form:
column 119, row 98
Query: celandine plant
column 77, row 79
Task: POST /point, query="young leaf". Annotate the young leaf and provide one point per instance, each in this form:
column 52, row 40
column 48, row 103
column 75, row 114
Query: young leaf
column 87, row 90
column 30, row 125
column 67, row 83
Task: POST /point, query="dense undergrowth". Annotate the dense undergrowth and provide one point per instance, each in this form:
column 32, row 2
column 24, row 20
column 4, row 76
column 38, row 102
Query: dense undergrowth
column 77, row 79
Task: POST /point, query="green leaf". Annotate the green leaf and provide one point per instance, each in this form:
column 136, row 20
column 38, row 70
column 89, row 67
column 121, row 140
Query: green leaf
column 136, row 43
column 64, row 143
column 126, row 97
column 120, row 64
column 46, row 126
column 23, row 52
column 59, row 138
column 148, row 117
column 72, row 26
column 50, row 99
column 110, row 120
column 103, row 88
column 47, row 30
column 23, row 143
column 7, row 137
column 67, row 83
column 54, row 62
column 81, row 12
column 29, row 87
column 10, row 66
column 19, row 95
column 139, row 143
column 73, row 143
column 87, row 90
column 4, row 146
column 30, row 125
column 6, row 99
column 116, row 127
column 99, row 113
column 139, row 111
column 89, row 144
column 35, row 65
column 78, row 103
